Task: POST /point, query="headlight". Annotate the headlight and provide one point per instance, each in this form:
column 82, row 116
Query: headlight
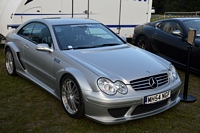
column 111, row 88
column 121, row 87
column 172, row 73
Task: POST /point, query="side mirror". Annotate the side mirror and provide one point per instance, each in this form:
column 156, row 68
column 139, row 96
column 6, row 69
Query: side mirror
column 178, row 33
column 43, row 47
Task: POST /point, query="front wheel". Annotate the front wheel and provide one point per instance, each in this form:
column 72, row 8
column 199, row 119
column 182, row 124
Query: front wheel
column 71, row 97
column 143, row 43
column 10, row 63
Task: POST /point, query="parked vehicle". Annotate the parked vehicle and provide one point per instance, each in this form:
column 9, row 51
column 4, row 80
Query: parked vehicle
column 168, row 39
column 92, row 70
column 119, row 15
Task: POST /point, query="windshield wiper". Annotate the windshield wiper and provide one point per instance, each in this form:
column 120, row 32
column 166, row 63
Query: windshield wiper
column 108, row 44
column 84, row 47
column 78, row 48
column 102, row 45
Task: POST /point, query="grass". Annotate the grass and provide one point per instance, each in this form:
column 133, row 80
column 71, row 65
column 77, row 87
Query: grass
column 25, row 107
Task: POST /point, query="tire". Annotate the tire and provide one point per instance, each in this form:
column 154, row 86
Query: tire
column 71, row 97
column 10, row 63
column 143, row 43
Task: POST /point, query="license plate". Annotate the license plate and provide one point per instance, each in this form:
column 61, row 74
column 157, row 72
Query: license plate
column 157, row 97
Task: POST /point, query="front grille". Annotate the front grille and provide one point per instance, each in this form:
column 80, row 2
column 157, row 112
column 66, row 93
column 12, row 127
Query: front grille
column 118, row 112
column 174, row 95
column 145, row 83
column 143, row 108
column 149, row 107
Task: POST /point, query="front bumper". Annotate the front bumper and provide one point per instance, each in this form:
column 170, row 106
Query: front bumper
column 122, row 109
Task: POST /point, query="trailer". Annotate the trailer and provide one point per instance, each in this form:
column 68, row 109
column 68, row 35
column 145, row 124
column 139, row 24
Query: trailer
column 121, row 16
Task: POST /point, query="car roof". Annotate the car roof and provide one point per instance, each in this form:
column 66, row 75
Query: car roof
column 61, row 21
column 177, row 19
column 183, row 19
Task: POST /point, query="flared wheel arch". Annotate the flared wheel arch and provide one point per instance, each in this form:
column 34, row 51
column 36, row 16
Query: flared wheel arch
column 146, row 39
column 82, row 109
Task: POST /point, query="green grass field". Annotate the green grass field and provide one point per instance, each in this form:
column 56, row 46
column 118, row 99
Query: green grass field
column 25, row 107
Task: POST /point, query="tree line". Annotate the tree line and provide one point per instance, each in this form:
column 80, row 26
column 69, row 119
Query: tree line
column 162, row 6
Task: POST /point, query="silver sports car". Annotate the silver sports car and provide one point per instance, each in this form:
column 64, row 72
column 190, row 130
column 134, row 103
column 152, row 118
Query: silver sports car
column 94, row 72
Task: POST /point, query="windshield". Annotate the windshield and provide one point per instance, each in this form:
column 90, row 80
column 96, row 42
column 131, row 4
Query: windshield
column 80, row 36
column 195, row 24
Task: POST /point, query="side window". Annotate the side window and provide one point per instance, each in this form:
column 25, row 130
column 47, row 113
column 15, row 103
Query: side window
column 41, row 34
column 36, row 32
column 169, row 27
column 26, row 30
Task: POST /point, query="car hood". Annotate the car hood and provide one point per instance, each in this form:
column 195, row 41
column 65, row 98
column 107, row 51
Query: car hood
column 120, row 62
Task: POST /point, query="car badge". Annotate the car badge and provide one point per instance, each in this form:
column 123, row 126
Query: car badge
column 153, row 82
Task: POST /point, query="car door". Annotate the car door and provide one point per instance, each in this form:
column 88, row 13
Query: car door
column 21, row 39
column 171, row 47
column 39, row 64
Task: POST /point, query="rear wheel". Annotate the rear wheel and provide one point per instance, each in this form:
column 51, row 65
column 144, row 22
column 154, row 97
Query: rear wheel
column 71, row 97
column 10, row 64
column 143, row 43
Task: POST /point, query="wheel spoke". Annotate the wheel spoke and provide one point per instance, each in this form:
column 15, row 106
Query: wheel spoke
column 73, row 106
column 74, row 90
column 69, row 86
column 65, row 88
column 76, row 100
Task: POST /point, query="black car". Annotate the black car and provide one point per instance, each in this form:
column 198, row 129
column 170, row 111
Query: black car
column 168, row 39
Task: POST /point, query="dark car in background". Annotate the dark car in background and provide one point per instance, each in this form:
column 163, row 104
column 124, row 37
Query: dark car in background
column 168, row 39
